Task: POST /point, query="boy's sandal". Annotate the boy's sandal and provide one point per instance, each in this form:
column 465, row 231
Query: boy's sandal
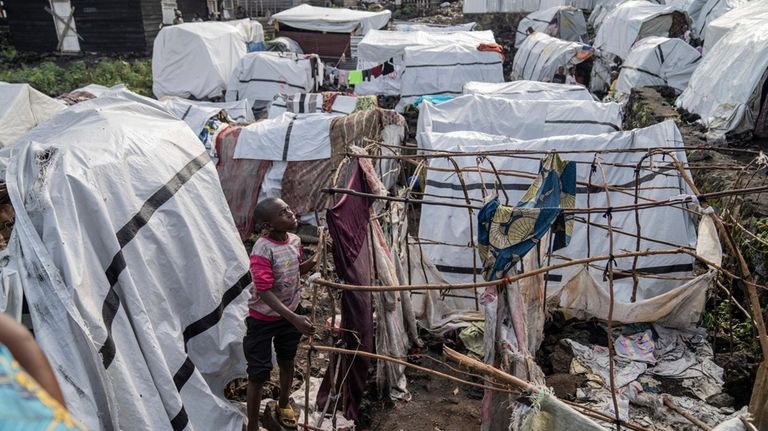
column 286, row 417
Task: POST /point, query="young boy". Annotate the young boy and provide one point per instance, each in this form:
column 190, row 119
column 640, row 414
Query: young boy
column 275, row 266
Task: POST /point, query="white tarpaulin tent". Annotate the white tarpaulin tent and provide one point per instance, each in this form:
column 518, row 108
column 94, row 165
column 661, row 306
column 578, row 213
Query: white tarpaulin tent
column 287, row 138
column 332, row 20
column 726, row 90
column 658, row 61
column 260, row 76
column 444, row 69
column 521, row 6
column 562, row 22
column 632, row 21
column 434, row 28
column 134, row 272
column 310, row 103
column 197, row 59
column 601, row 10
column 712, row 10
column 450, row 225
column 523, row 119
column 529, row 90
column 541, row 56
column 22, row 108
column 378, row 47
column 755, row 11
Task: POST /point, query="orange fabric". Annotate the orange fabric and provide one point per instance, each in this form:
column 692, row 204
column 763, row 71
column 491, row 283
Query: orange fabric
column 492, row 47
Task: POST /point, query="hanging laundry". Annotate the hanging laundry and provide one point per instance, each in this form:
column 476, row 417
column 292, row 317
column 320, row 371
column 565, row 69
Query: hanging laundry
column 376, row 71
column 388, row 67
column 367, row 75
column 506, row 234
column 344, row 77
column 329, row 97
column 365, row 103
column 355, row 77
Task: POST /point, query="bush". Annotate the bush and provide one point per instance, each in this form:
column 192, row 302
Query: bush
column 54, row 80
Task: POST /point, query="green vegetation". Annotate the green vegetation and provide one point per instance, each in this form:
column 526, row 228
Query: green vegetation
column 726, row 320
column 54, row 80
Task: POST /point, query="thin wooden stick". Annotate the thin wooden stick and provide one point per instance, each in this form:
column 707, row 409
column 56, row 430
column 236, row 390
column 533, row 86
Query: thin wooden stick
column 677, row 409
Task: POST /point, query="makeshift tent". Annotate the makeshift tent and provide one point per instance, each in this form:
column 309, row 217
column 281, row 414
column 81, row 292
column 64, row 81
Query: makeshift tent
column 260, row 76
column 22, row 108
column 197, row 59
column 635, row 20
column 134, row 273
column 327, row 31
column 331, row 20
column 434, row 28
column 523, row 119
column 754, row 12
column 529, row 90
column 196, row 114
column 541, row 56
column 728, row 88
column 672, row 226
column 284, row 44
column 714, row 9
column 521, row 6
column 562, row 22
column 378, row 47
column 658, row 61
column 443, row 70
column 602, row 9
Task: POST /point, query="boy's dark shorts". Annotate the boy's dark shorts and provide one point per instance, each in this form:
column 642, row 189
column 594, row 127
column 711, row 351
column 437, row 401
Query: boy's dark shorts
column 257, row 345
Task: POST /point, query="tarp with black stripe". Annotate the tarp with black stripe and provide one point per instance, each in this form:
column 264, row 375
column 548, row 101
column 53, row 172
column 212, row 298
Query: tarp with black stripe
column 665, row 227
column 136, row 277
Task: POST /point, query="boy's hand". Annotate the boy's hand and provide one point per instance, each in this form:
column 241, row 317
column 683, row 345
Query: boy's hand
column 303, row 324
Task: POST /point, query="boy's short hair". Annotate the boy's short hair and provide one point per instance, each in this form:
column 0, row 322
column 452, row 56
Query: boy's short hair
column 265, row 211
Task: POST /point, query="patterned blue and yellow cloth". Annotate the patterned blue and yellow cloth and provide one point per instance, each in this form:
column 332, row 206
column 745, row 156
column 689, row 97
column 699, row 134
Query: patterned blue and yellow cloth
column 24, row 405
column 505, row 234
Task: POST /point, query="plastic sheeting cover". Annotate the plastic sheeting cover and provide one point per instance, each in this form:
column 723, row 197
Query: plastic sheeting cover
column 658, row 61
column 22, row 108
column 725, row 90
column 434, row 28
column 332, row 20
column 197, row 59
column 443, row 70
column 529, row 90
column 523, row 119
column 752, row 13
column 134, row 271
column 671, row 225
column 521, row 6
column 260, row 76
column 630, row 22
column 562, row 22
column 540, row 56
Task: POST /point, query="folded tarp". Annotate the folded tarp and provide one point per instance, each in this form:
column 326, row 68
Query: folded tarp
column 378, row 47
column 260, row 76
column 562, row 22
column 541, row 56
column 287, row 138
column 754, row 12
column 22, row 108
column 444, row 69
column 197, row 59
column 632, row 21
column 529, row 90
column 332, row 20
column 727, row 89
column 522, row 119
column 672, row 227
column 134, row 272
column 658, row 61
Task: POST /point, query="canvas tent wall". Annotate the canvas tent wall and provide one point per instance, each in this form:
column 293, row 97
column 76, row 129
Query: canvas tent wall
column 673, row 225
column 22, row 108
column 378, row 47
column 635, row 20
column 327, row 31
column 754, row 12
column 710, row 11
column 260, row 76
column 658, row 61
column 529, row 90
column 562, row 22
column 728, row 88
column 541, row 56
column 521, row 6
column 523, row 119
column 443, row 70
column 137, row 299
column 197, row 59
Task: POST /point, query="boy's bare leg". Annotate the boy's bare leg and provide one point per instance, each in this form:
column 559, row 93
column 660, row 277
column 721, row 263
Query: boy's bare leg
column 286, row 381
column 254, row 401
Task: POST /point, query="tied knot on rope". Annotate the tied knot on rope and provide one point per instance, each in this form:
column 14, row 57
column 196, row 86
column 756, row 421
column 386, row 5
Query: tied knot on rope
column 702, row 199
column 593, row 167
column 609, row 264
column 608, row 213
